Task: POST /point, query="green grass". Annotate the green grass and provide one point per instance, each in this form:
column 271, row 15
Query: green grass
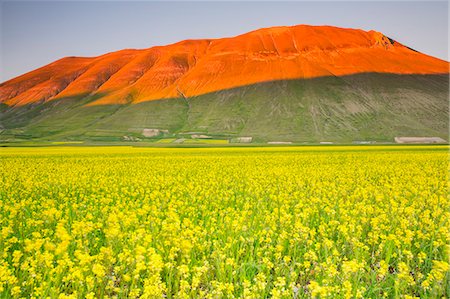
column 205, row 141
column 67, row 142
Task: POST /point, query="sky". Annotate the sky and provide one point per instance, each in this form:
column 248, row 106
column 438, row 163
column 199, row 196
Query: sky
column 35, row 33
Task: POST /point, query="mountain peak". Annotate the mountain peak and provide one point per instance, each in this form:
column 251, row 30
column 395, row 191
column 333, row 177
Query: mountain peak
column 196, row 67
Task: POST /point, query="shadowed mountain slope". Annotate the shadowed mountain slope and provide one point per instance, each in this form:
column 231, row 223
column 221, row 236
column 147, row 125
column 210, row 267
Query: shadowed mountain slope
column 371, row 106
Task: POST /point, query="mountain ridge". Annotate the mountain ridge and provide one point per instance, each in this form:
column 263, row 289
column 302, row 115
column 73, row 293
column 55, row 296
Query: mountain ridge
column 195, row 67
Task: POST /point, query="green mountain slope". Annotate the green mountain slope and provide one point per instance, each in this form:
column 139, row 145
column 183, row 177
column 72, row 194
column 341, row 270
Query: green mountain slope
column 370, row 106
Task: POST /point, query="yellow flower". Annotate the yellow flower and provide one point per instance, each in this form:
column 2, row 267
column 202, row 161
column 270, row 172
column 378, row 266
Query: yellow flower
column 98, row 270
column 91, row 295
column 15, row 291
column 350, row 267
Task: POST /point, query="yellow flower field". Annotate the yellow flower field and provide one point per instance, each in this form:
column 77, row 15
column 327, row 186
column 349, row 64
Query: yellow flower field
column 283, row 222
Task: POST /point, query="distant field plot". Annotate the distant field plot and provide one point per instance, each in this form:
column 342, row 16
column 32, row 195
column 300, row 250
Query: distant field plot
column 166, row 140
column 66, row 142
column 205, row 141
column 193, row 141
column 268, row 222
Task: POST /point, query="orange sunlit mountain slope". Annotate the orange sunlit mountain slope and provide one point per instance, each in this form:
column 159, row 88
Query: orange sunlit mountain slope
column 195, row 67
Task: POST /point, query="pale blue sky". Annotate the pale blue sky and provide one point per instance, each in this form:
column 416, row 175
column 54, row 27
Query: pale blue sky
column 35, row 33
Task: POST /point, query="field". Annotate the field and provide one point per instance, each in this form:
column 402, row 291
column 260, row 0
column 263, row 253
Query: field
column 281, row 222
column 205, row 141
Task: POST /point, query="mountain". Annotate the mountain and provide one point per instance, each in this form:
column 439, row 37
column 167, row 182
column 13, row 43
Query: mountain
column 301, row 83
